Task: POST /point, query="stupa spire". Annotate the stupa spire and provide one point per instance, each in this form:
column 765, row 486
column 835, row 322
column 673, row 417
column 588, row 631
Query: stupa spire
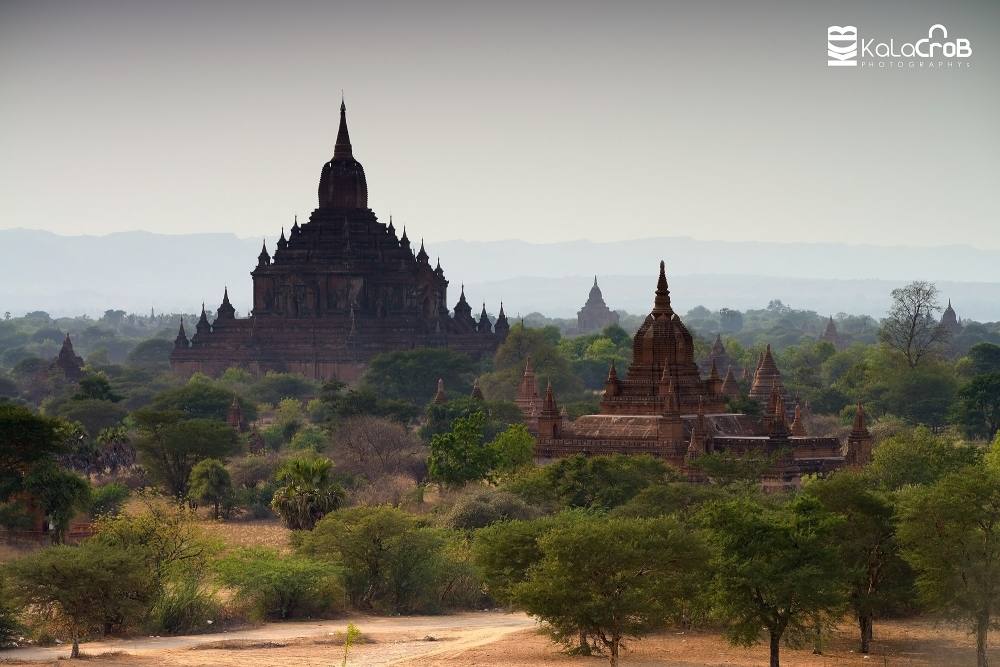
column 662, row 302
column 343, row 147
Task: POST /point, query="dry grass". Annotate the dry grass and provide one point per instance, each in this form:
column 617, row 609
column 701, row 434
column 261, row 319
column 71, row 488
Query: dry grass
column 235, row 534
column 9, row 552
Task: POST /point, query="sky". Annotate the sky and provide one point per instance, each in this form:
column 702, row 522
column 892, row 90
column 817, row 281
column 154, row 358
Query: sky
column 540, row 121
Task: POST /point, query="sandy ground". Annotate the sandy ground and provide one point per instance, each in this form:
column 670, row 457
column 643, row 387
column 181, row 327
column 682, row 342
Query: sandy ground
column 393, row 640
column 486, row 639
column 917, row 643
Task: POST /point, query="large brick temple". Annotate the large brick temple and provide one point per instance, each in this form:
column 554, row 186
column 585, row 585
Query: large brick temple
column 664, row 407
column 338, row 290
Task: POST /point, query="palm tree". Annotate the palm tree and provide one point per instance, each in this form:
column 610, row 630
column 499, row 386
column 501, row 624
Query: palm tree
column 307, row 493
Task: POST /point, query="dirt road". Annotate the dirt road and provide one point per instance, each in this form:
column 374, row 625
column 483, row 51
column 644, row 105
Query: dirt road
column 393, row 641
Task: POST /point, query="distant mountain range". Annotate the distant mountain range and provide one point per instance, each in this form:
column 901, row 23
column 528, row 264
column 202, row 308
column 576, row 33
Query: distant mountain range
column 134, row 271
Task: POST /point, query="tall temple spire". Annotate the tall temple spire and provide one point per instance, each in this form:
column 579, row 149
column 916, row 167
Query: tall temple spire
column 798, row 428
column 343, row 146
column 182, row 340
column 662, row 302
column 263, row 259
column 477, row 392
column 440, row 397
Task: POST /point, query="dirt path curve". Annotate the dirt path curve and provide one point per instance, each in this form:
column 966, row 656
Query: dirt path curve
column 395, row 641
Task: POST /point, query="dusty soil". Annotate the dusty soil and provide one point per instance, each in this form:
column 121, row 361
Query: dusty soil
column 911, row 642
column 494, row 639
column 389, row 641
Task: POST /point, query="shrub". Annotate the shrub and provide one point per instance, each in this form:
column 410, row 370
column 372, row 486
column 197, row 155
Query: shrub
column 280, row 587
column 184, row 608
column 10, row 628
column 274, row 387
column 108, row 499
column 391, row 560
column 307, row 493
column 598, row 482
column 81, row 590
column 309, row 438
column 210, row 483
column 486, row 506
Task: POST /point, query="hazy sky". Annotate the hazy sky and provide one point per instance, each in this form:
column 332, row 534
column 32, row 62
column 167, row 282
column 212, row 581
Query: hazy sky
column 535, row 120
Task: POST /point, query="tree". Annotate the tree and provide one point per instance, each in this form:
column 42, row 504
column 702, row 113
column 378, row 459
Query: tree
column 26, row 439
column 390, row 560
column 877, row 577
column 94, row 414
column 460, row 455
column 166, row 538
column 541, row 346
column 153, row 354
column 917, row 457
column 595, row 482
column 170, row 447
column 611, row 579
column 201, row 398
column 499, row 415
column 375, row 448
column 775, row 568
column 984, row 358
column 911, row 327
column 275, row 386
column 59, row 493
column 80, row 587
column 10, row 627
column 514, row 448
column 308, row 492
column 282, row 586
column 412, row 375
column 951, row 536
column 96, row 387
column 729, row 469
column 978, row 407
column 210, row 483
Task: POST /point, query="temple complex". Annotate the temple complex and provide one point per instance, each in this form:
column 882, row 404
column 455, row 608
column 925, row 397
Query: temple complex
column 717, row 356
column 664, row 407
column 337, row 290
column 595, row 314
column 68, row 361
column 830, row 334
column 949, row 320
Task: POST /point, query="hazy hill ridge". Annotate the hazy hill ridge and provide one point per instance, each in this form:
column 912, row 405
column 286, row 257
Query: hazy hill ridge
column 68, row 275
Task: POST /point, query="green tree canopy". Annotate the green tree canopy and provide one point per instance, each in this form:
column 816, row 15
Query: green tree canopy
column 201, row 398
column 776, row 568
column 597, row 482
column 210, row 483
column 412, row 375
column 978, row 407
column 950, row 531
column 152, row 354
column 879, row 580
column 612, row 579
column 917, row 456
column 81, row 587
column 170, row 447
column 460, row 455
column 307, row 492
column 549, row 364
column 391, row 560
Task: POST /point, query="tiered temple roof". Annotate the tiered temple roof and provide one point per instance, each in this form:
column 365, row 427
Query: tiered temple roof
column 68, row 361
column 595, row 314
column 830, row 334
column 663, row 407
column 339, row 289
